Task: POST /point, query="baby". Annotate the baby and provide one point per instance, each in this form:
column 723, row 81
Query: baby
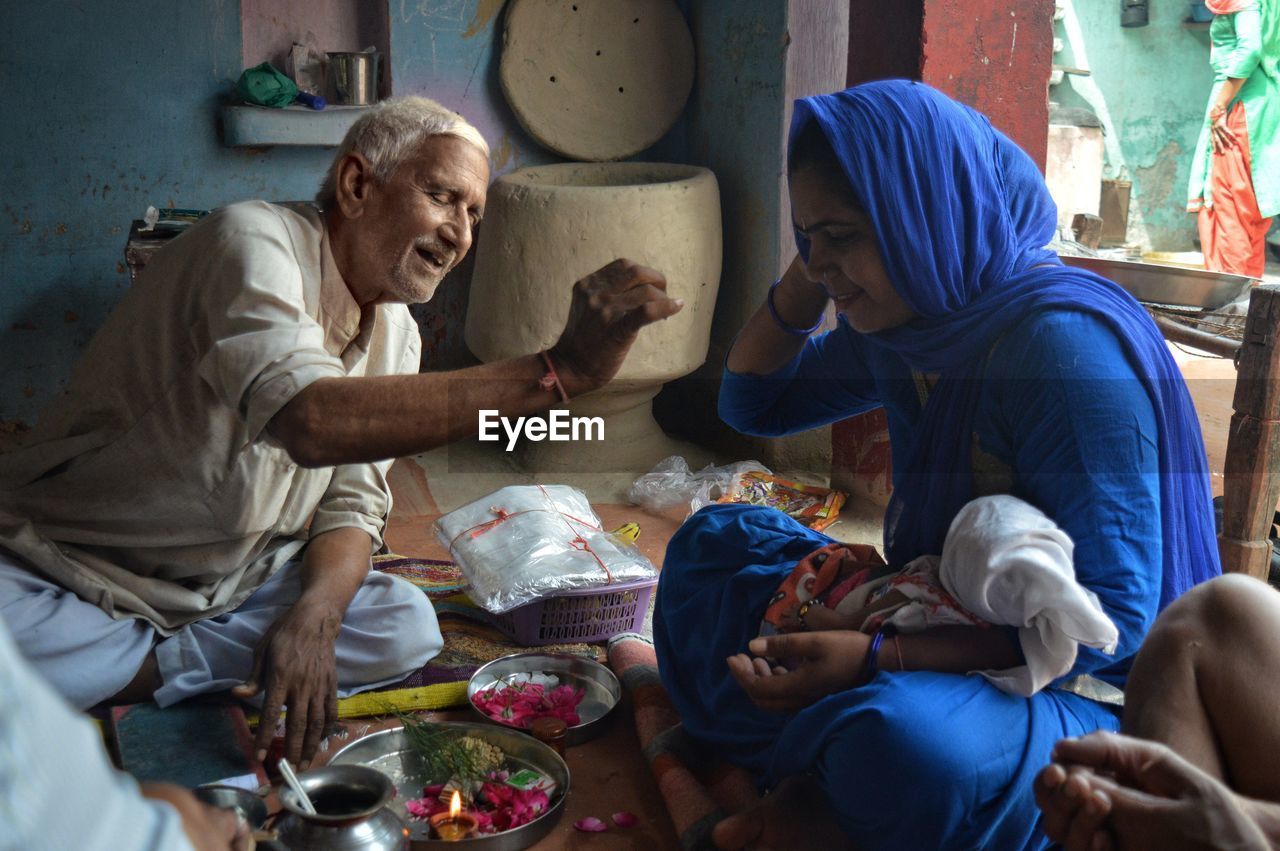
column 1003, row 562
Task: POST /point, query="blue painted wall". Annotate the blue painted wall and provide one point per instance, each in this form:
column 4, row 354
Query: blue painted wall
column 113, row 107
column 448, row 50
column 1149, row 86
column 109, row 107
column 735, row 126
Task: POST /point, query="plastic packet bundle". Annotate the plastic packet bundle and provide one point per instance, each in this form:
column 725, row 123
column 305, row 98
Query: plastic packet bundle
column 671, row 483
column 809, row 505
column 526, row 542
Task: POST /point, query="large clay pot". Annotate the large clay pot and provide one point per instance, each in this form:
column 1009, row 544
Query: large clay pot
column 546, row 227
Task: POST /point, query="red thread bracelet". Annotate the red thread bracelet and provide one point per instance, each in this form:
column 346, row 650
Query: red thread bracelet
column 551, row 381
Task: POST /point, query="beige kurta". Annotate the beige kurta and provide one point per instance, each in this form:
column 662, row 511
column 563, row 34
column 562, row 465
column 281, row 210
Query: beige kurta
column 151, row 487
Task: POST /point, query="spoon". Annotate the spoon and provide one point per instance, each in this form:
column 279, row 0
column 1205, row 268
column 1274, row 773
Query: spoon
column 286, row 770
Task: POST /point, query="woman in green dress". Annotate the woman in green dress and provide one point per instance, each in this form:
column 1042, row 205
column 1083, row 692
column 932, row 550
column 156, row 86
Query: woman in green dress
column 1235, row 178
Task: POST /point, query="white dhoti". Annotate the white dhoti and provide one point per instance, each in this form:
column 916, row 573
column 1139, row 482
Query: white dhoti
column 389, row 631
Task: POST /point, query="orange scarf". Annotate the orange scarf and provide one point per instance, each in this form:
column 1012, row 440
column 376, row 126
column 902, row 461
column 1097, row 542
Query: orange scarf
column 1227, row 7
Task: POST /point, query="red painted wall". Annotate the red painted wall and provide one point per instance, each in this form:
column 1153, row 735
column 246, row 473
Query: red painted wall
column 884, row 45
column 994, row 55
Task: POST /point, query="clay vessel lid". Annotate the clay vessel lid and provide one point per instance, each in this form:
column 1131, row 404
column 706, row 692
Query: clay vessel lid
column 596, row 79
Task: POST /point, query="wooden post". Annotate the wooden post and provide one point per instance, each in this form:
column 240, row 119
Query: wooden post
column 1252, row 486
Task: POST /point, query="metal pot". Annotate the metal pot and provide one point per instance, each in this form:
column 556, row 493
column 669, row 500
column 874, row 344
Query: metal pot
column 352, row 78
column 351, row 812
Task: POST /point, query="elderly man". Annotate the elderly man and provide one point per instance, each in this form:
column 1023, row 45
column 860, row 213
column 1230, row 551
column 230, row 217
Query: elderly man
column 197, row 511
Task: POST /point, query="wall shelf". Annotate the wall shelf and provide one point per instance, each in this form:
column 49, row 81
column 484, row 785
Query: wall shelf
column 260, row 126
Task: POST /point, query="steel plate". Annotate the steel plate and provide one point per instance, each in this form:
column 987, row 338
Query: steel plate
column 601, row 689
column 1152, row 282
column 390, row 753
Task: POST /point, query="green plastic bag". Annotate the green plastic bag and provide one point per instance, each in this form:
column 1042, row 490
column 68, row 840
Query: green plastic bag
column 265, row 86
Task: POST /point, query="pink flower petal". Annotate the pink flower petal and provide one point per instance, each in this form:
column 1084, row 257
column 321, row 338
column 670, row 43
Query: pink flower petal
column 625, row 819
column 590, row 824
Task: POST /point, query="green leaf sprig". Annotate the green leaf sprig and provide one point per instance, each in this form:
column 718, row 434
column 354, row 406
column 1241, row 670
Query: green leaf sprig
column 446, row 754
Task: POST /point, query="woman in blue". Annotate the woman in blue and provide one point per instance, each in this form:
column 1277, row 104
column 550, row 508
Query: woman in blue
column 1000, row 370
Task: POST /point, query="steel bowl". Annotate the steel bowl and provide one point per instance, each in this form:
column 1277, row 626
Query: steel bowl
column 250, row 807
column 601, row 688
column 390, row 752
column 1152, row 282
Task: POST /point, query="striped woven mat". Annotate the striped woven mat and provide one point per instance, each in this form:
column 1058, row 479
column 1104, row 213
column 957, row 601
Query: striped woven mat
column 698, row 788
column 470, row 640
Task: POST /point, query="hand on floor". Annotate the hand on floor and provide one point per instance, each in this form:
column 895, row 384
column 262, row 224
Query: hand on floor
column 295, row 667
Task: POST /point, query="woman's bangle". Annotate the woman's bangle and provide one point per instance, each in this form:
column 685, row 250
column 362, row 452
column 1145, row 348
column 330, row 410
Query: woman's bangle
column 897, row 645
column 782, row 323
column 872, row 666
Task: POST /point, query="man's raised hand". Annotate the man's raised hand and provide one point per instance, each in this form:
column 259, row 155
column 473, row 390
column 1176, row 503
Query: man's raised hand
column 609, row 308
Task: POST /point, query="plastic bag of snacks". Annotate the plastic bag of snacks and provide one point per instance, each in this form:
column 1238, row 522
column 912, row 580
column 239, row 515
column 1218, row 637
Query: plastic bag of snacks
column 526, row 542
column 809, row 505
column 671, row 483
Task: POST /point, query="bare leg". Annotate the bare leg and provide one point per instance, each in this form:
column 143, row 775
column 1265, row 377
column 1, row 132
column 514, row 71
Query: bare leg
column 793, row 815
column 1207, row 683
column 142, row 686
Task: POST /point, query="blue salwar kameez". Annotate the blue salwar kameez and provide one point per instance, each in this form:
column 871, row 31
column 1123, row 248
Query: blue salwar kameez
column 1054, row 375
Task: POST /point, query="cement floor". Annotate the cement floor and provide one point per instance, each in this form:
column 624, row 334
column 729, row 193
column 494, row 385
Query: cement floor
column 609, row 773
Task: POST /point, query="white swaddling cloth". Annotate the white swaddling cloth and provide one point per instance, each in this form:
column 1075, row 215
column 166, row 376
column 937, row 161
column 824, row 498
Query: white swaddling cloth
column 1009, row 564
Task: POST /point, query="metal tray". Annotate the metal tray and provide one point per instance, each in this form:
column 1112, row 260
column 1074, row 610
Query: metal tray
column 601, row 689
column 388, row 752
column 1152, row 282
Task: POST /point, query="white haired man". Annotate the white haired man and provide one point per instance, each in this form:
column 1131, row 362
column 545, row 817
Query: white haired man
column 196, row 512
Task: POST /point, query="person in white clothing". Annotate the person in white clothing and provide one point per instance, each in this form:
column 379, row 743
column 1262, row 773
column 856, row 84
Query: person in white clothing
column 197, row 510
column 58, row 791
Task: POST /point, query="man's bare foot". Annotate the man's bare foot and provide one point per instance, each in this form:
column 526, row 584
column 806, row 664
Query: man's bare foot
column 794, row 815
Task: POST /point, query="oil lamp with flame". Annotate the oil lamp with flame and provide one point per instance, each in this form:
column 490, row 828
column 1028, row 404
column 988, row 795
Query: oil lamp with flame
column 455, row 824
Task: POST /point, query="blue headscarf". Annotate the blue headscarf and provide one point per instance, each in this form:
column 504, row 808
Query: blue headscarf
column 962, row 217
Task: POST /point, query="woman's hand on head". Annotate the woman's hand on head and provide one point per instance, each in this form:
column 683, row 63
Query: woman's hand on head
column 820, row 663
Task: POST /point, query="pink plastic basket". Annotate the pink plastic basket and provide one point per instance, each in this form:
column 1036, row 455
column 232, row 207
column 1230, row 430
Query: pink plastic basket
column 589, row 614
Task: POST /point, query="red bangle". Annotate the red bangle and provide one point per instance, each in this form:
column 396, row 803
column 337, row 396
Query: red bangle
column 551, row 381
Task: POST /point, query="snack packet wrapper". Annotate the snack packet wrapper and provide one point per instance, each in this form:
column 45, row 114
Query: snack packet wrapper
column 809, row 505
